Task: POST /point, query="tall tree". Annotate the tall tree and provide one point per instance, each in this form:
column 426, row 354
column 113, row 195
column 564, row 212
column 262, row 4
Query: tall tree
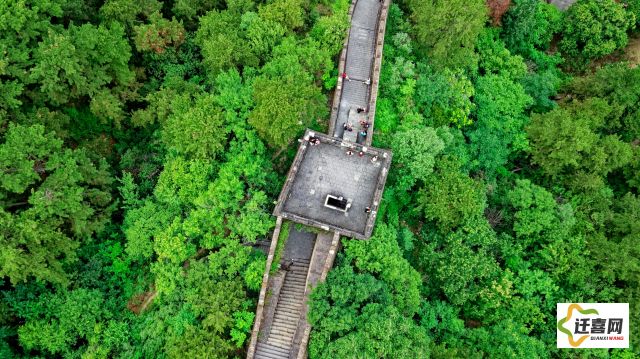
column 570, row 141
column 448, row 30
column 595, row 28
column 529, row 25
column 52, row 199
column 499, row 129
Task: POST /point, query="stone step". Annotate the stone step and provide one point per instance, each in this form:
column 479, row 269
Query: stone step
column 294, row 296
column 282, row 338
column 302, row 267
column 287, row 328
column 287, row 314
column 298, row 276
column 295, row 281
column 289, row 304
column 292, row 290
column 271, row 348
column 301, row 281
column 291, row 297
column 279, row 342
column 288, row 309
column 285, row 322
column 295, row 278
column 289, row 300
column 287, row 318
column 299, row 266
column 267, row 351
column 282, row 329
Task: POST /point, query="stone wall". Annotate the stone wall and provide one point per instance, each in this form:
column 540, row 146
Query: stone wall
column 328, row 264
column 251, row 349
column 335, row 106
column 377, row 64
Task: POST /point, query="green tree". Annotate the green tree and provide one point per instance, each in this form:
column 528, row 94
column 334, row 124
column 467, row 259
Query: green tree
column 22, row 26
column 494, row 58
column 288, row 13
column 129, row 13
column 72, row 322
column 449, row 197
column 448, row 30
column 159, row 34
column 261, row 34
column 460, row 263
column 444, row 97
column 570, row 141
column 286, row 99
column 619, row 85
column 222, row 44
column 85, row 61
column 52, row 199
column 415, row 154
column 529, row 25
column 499, row 129
column 196, row 128
column 372, row 290
column 193, row 9
column 594, row 28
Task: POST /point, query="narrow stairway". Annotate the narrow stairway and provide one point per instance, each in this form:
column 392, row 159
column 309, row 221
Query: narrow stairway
column 264, row 350
column 285, row 321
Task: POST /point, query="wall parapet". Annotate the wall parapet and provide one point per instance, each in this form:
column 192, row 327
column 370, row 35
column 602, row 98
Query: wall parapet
column 251, row 349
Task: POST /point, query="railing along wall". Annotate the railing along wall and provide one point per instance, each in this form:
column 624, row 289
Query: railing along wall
column 251, row 349
column 377, row 65
column 342, row 63
column 328, row 264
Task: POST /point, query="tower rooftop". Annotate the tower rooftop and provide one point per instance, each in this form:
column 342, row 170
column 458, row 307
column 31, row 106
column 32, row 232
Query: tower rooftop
column 324, row 179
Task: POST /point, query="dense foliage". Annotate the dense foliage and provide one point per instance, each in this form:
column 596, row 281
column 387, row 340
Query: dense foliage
column 137, row 158
column 514, row 185
column 142, row 144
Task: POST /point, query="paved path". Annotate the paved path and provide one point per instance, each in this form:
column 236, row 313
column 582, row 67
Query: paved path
column 281, row 329
column 287, row 312
column 359, row 63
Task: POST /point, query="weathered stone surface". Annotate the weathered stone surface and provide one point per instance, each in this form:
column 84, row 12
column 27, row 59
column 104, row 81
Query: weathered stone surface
column 320, row 170
column 562, row 4
column 327, row 169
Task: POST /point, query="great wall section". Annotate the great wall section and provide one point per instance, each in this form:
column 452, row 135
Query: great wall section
column 280, row 328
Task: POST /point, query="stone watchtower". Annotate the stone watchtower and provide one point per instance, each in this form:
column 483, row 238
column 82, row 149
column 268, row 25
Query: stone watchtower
column 335, row 184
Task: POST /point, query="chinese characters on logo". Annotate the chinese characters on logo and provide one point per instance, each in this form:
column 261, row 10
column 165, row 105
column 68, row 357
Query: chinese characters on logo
column 598, row 326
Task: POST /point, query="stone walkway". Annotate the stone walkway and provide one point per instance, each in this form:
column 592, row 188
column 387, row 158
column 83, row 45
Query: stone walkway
column 359, row 61
column 285, row 303
column 281, row 329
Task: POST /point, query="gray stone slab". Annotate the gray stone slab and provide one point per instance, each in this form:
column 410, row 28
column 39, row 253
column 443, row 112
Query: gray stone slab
column 360, row 53
column 354, row 95
column 359, row 61
column 299, row 244
column 365, row 14
column 562, row 4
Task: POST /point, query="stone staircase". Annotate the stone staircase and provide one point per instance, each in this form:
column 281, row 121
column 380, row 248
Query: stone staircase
column 264, row 350
column 279, row 342
column 283, row 331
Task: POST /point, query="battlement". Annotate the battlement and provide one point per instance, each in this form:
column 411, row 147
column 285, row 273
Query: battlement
column 338, row 169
